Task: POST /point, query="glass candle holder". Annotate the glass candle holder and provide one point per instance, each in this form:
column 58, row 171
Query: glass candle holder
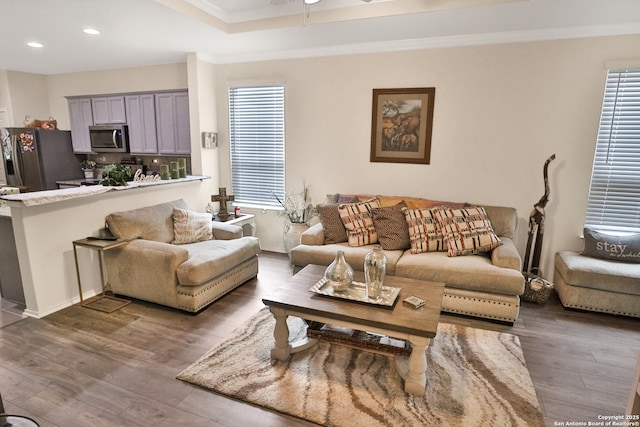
column 182, row 167
column 164, row 172
column 175, row 174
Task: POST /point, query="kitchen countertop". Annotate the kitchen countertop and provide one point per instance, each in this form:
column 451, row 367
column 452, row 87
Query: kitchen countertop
column 52, row 196
column 5, row 210
column 79, row 182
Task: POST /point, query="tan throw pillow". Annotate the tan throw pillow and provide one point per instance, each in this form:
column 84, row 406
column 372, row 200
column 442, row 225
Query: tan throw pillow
column 391, row 227
column 425, row 233
column 358, row 222
column 190, row 226
column 466, row 231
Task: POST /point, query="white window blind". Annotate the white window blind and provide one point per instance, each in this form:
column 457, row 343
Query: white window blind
column 256, row 126
column 614, row 195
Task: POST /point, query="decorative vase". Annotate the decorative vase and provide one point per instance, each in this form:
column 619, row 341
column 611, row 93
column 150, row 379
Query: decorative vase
column 339, row 274
column 175, row 173
column 292, row 232
column 375, row 266
column 164, row 172
column 182, row 167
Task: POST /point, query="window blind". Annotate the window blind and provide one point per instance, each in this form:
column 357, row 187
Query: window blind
column 256, row 129
column 614, row 194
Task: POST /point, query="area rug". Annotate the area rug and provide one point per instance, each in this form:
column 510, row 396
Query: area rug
column 474, row 377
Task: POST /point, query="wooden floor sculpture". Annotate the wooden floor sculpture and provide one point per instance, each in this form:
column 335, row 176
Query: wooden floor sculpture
column 531, row 265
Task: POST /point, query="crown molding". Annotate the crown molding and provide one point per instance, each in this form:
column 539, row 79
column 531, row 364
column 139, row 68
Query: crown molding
column 436, row 43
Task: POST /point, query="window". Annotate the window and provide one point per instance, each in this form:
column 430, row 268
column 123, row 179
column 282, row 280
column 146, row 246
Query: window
column 614, row 196
column 256, row 129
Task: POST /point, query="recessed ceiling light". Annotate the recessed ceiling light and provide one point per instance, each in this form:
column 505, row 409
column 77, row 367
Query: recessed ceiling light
column 35, row 44
column 91, row 31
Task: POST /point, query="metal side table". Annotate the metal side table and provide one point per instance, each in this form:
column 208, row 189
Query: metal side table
column 101, row 302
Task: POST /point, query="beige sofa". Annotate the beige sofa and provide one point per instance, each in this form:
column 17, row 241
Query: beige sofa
column 486, row 285
column 185, row 276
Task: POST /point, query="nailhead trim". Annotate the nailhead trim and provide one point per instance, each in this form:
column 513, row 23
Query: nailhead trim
column 483, row 315
column 213, row 285
column 601, row 310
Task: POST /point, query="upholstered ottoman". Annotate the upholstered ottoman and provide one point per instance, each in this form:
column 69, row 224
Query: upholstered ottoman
column 594, row 284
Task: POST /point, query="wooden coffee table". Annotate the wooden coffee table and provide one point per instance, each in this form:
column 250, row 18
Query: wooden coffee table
column 417, row 326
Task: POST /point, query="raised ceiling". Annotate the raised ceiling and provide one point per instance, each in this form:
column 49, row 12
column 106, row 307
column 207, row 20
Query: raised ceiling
column 148, row 32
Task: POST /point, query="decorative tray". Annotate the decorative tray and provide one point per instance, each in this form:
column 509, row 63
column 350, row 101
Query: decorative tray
column 357, row 292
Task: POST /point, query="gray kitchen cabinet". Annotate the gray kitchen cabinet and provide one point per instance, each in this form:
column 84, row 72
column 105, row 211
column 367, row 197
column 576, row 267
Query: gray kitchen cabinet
column 81, row 118
column 141, row 118
column 158, row 122
column 172, row 123
column 108, row 110
column 10, row 279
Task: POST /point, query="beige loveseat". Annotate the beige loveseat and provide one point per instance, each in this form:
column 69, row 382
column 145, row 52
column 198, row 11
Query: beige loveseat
column 486, row 285
column 187, row 276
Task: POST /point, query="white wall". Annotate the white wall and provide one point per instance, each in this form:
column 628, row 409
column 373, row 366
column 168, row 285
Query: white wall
column 21, row 95
column 203, row 116
column 28, row 97
column 500, row 112
column 6, row 116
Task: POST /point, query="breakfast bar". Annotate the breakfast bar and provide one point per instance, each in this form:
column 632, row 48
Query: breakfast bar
column 45, row 223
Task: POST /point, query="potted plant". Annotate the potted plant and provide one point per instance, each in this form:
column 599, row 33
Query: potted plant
column 88, row 168
column 116, row 175
column 298, row 210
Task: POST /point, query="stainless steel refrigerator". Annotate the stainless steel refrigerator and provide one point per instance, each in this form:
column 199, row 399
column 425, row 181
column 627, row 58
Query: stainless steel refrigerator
column 37, row 158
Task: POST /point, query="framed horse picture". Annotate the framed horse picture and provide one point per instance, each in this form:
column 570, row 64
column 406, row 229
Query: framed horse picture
column 401, row 125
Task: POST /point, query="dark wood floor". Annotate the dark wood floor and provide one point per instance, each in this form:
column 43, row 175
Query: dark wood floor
column 80, row 367
column 10, row 312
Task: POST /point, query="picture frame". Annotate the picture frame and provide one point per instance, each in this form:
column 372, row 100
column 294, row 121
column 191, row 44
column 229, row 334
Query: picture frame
column 401, row 125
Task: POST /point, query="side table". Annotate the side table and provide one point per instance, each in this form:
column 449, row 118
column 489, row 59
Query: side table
column 246, row 221
column 101, row 302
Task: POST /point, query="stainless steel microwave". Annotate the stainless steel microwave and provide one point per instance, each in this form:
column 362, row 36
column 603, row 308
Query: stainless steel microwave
column 109, row 138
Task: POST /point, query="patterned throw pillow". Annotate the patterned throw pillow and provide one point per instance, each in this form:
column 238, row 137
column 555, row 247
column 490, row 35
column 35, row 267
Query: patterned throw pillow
column 190, row 227
column 391, row 227
column 358, row 221
column 334, row 231
column 424, row 231
column 467, row 231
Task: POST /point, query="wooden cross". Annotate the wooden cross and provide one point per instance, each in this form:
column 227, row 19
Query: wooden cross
column 223, row 199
